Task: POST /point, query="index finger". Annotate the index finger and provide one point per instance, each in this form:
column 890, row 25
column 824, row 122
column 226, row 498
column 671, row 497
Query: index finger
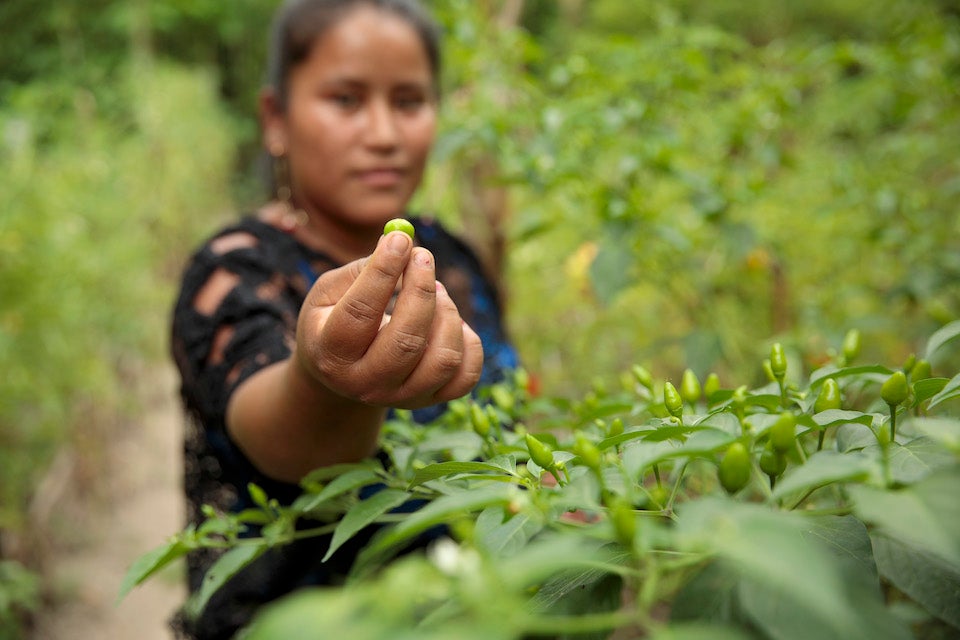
column 356, row 316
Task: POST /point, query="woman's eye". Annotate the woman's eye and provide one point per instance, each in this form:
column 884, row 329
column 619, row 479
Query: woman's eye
column 345, row 100
column 409, row 102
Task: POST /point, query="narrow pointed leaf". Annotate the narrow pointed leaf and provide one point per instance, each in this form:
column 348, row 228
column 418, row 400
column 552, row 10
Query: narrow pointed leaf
column 441, row 469
column 151, row 562
column 364, row 513
column 338, row 486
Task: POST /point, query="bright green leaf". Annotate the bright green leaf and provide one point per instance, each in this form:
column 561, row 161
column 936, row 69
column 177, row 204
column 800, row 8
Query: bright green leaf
column 441, row 469
column 364, row 513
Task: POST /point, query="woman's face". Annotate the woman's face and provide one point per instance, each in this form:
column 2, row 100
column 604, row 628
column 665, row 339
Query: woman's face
column 360, row 120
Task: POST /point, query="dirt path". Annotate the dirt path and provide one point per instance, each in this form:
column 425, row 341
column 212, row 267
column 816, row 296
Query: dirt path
column 139, row 506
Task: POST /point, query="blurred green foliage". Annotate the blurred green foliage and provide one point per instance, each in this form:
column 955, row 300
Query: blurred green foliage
column 692, row 180
column 689, row 181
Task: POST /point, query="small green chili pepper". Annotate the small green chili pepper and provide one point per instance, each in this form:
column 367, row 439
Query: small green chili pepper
column 588, row 452
column 672, row 399
column 398, row 224
column 711, row 385
column 778, row 361
column 689, row 387
column 829, row 396
column 783, row 432
column 734, row 470
column 540, row 453
column 895, row 390
column 851, row 346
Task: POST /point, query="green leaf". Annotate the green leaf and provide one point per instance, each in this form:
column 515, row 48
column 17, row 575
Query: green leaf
column 932, row 583
column 226, row 566
column 441, row 511
column 770, row 550
column 509, row 537
column 852, row 436
column 946, row 431
column 258, row 495
column 364, row 513
column 847, row 537
column 826, row 467
column 836, row 417
column 151, row 562
column 349, row 481
column 325, row 473
column 925, row 515
column 441, row 469
column 818, row 376
column 941, row 337
column 642, row 455
column 950, row 391
column 916, row 459
column 927, row 388
column 581, row 592
column 710, row 596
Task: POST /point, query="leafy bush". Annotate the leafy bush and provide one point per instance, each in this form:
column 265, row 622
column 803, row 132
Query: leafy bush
column 98, row 214
column 820, row 506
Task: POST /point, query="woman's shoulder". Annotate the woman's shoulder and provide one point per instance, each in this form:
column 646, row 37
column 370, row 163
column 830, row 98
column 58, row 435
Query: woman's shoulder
column 447, row 246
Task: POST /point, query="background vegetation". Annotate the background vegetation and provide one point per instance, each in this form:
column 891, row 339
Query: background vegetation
column 661, row 181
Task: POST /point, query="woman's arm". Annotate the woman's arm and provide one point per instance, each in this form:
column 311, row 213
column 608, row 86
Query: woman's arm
column 325, row 404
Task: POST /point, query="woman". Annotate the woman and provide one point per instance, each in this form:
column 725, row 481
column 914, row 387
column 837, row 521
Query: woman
column 298, row 328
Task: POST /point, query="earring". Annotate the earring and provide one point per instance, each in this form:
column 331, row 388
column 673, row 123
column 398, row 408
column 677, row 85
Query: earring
column 292, row 217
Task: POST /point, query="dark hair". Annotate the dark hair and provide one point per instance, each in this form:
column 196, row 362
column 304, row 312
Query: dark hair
column 300, row 23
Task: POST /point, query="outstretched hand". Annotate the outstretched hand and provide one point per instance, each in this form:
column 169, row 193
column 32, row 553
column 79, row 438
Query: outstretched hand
column 420, row 354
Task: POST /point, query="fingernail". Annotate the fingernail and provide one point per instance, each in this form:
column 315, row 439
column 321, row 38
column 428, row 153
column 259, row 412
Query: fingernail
column 397, row 242
column 440, row 287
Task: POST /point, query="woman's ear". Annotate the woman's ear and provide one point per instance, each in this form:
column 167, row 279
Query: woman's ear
column 272, row 123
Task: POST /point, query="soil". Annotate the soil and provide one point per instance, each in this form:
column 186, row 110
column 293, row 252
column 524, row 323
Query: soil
column 136, row 505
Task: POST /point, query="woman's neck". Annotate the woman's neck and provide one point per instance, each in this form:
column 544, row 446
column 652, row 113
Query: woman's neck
column 342, row 243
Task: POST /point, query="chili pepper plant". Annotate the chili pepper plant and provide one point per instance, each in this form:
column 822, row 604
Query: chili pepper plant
column 819, row 505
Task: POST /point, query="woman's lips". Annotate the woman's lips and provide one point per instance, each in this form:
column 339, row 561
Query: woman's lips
column 384, row 177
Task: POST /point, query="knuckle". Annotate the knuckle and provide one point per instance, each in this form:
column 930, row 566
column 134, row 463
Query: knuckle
column 361, row 310
column 448, row 360
column 406, row 343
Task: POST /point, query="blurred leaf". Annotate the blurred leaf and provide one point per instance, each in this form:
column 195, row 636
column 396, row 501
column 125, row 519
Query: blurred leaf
column 826, row 467
column 926, row 578
column 853, row 435
column 950, row 391
column 926, row 389
column 770, row 551
column 925, row 515
column 946, row 431
column 941, row 337
column 151, row 562
column 228, row 565
column 349, row 481
column 364, row 513
column 913, row 461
